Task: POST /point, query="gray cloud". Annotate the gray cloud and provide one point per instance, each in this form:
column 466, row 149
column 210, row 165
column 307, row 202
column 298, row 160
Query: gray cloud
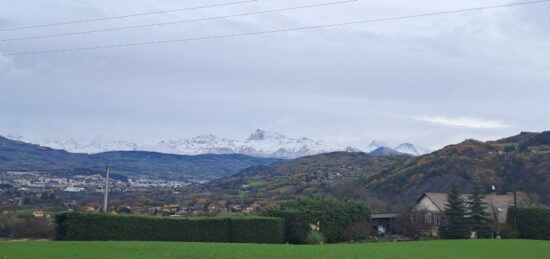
column 465, row 122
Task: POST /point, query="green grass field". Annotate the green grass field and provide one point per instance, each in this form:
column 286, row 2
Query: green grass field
column 498, row 249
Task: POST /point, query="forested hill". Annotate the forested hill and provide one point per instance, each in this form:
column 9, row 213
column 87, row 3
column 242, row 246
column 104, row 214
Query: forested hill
column 396, row 181
column 24, row 156
column 317, row 174
column 524, row 159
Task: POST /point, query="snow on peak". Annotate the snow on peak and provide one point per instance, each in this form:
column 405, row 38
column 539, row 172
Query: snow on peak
column 259, row 144
column 375, row 145
column 411, row 149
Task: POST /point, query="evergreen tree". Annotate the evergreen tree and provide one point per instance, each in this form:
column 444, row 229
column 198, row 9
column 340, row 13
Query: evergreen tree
column 480, row 220
column 455, row 224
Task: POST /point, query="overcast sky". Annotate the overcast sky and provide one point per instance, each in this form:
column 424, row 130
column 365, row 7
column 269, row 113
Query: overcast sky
column 431, row 81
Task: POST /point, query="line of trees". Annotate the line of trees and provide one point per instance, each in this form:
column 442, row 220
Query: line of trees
column 463, row 217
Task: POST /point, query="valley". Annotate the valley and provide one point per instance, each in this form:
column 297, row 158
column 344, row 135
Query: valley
column 218, row 184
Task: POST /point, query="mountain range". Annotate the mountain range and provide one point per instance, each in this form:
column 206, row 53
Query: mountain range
column 21, row 156
column 382, row 176
column 260, row 143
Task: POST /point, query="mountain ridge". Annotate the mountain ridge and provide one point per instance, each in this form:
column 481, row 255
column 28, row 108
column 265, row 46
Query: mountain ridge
column 18, row 155
column 260, row 143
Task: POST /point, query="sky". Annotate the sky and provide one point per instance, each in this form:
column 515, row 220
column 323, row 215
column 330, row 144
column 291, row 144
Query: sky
column 431, row 81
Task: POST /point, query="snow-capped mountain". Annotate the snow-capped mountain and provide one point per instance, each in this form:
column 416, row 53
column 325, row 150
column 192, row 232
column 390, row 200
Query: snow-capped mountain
column 272, row 144
column 384, row 151
column 374, row 145
column 89, row 147
column 204, row 144
column 377, row 148
column 411, row 149
column 259, row 144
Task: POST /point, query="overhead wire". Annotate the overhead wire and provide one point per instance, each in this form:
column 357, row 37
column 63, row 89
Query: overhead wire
column 225, row 36
column 176, row 22
column 124, row 16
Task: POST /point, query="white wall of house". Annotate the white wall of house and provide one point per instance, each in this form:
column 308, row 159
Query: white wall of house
column 426, row 204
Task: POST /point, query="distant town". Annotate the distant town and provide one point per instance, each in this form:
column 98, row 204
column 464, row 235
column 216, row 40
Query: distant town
column 39, row 191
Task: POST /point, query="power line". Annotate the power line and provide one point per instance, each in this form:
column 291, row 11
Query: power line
column 176, row 22
column 124, row 16
column 225, row 36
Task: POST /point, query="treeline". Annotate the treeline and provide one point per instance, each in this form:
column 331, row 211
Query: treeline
column 531, row 222
column 462, row 217
column 312, row 220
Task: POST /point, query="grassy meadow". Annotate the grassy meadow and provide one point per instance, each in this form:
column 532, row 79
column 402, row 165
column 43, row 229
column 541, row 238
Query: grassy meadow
column 485, row 249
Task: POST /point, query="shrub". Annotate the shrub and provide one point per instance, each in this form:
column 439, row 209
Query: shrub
column 505, row 231
column 296, row 224
column 413, row 224
column 334, row 216
column 315, row 238
column 531, row 222
column 97, row 227
column 25, row 226
column 358, row 231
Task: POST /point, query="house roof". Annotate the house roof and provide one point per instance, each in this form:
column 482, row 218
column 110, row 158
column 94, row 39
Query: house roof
column 494, row 200
column 438, row 199
column 497, row 204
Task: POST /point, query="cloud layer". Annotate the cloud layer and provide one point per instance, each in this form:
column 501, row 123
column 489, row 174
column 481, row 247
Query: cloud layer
column 466, row 122
column 348, row 84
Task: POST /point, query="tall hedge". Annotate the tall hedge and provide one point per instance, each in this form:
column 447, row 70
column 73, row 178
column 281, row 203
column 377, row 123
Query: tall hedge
column 296, row 224
column 531, row 222
column 97, row 227
column 256, row 230
column 335, row 216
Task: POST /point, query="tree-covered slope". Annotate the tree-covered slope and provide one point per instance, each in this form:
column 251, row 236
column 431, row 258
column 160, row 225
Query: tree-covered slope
column 523, row 159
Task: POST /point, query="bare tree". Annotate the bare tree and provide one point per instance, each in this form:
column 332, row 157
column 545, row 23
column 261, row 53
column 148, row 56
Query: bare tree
column 415, row 224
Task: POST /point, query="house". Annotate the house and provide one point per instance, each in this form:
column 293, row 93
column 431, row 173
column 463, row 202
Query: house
column 235, row 208
column 38, row 213
column 74, row 189
column 433, row 206
column 254, row 208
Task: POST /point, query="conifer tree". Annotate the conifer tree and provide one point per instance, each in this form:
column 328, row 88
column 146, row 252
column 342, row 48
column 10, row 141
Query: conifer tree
column 479, row 219
column 455, row 224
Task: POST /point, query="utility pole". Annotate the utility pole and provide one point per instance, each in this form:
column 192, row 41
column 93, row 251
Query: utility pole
column 106, row 189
